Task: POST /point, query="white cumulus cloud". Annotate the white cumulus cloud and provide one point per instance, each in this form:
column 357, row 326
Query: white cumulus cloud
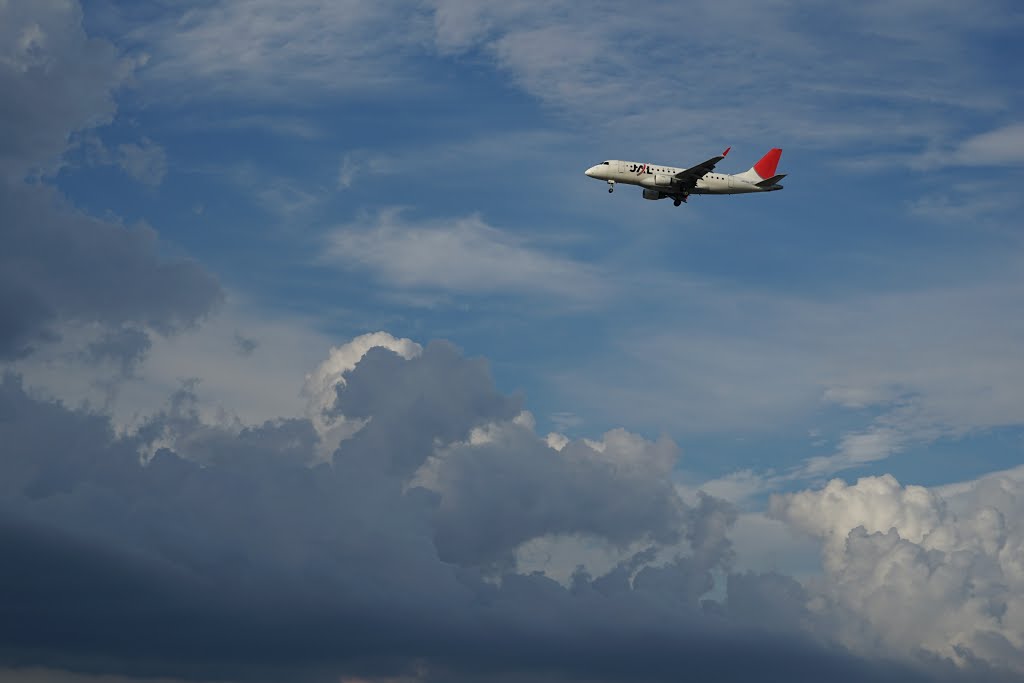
column 912, row 573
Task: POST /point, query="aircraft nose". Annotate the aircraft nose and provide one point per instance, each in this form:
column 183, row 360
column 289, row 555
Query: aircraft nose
column 590, row 172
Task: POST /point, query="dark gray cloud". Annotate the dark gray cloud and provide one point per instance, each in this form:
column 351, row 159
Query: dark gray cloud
column 438, row 395
column 56, row 264
column 578, row 490
column 228, row 556
column 245, row 346
column 125, row 346
column 55, row 80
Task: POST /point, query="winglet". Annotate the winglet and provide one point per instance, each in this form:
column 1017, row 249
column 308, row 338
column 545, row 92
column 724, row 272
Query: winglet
column 726, row 152
column 768, row 163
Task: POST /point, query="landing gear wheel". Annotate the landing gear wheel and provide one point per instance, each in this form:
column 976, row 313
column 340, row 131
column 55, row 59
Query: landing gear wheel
column 677, row 202
column 611, row 186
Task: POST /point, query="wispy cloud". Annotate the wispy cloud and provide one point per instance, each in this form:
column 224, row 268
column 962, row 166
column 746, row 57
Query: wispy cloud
column 267, row 50
column 283, row 197
column 347, row 172
column 917, row 365
column 728, row 58
column 970, row 204
column 1002, row 146
column 145, row 161
column 463, row 255
column 734, row 58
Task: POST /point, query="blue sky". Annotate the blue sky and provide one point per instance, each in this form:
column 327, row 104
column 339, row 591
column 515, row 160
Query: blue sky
column 269, row 181
column 736, row 313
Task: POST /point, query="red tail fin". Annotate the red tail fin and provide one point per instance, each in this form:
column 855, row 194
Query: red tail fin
column 769, row 162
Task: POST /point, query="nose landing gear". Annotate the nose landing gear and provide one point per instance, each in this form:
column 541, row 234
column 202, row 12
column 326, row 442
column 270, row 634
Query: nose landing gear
column 611, row 186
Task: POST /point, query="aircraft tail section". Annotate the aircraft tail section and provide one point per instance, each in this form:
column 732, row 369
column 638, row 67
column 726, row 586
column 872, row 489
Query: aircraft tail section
column 764, row 169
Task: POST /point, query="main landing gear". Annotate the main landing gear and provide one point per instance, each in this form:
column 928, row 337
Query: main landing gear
column 611, row 186
column 680, row 199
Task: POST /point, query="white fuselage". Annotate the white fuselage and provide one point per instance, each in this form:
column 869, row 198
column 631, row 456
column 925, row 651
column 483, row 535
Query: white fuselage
column 657, row 177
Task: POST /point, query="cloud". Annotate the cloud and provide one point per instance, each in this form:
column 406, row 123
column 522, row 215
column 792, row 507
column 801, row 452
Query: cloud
column 56, row 80
column 60, row 265
column 411, row 406
column 616, row 489
column 557, row 55
column 145, row 161
column 859, row 448
column 736, row 54
column 245, row 345
column 286, row 199
column 347, row 172
column 322, row 385
column 1003, row 146
column 735, row 359
column 127, row 346
column 260, row 50
column 232, row 387
column 465, row 256
column 277, row 124
column 232, row 554
column 57, row 264
column 736, row 487
column 974, row 205
column 375, row 527
column 916, row 574
column 876, row 503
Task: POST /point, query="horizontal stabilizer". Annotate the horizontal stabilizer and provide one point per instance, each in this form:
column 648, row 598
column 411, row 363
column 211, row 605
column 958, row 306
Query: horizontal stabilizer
column 771, row 181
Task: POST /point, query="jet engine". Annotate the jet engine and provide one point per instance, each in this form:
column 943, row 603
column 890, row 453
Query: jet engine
column 662, row 180
column 653, row 194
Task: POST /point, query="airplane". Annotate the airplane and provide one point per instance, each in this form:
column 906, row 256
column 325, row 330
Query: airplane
column 660, row 182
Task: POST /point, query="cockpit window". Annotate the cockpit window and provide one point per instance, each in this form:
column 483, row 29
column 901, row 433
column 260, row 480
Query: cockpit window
column 605, row 163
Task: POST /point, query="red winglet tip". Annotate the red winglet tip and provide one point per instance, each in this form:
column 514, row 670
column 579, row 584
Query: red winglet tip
column 726, row 152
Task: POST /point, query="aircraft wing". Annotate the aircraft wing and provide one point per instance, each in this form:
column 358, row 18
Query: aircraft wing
column 690, row 176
